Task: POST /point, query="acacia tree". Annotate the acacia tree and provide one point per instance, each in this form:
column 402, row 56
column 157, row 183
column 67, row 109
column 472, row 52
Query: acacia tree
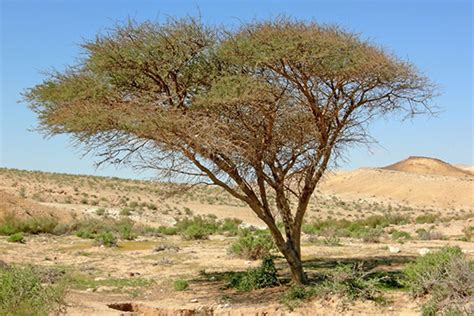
column 260, row 111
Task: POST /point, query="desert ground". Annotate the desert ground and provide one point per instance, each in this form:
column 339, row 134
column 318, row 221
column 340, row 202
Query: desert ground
column 138, row 275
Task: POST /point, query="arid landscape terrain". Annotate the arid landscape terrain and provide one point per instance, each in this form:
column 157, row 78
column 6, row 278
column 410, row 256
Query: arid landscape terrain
column 126, row 245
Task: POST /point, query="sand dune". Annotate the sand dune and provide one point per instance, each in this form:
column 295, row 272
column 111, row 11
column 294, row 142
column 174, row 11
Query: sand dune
column 416, row 181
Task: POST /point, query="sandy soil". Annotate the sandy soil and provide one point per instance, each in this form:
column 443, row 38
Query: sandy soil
column 406, row 189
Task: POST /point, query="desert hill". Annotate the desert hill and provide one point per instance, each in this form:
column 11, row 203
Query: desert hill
column 25, row 209
column 417, row 181
column 426, row 165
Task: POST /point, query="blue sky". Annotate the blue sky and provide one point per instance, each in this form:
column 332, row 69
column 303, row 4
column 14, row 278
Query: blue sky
column 434, row 35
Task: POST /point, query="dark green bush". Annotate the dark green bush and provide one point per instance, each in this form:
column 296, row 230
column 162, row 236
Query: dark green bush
column 263, row 276
column 252, row 245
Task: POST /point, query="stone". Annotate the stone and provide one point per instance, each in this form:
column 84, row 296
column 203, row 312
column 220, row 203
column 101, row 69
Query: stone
column 393, row 249
column 423, row 251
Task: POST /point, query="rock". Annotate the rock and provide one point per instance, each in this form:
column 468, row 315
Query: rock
column 194, row 300
column 423, row 251
column 164, row 247
column 248, row 262
column 393, row 249
column 99, row 279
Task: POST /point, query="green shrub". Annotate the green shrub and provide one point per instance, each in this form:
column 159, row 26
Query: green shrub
column 296, row 295
column 198, row 227
column 22, row 293
column 126, row 211
column 400, row 235
column 106, row 239
column 427, row 218
column 100, row 211
column 125, row 229
column 181, row 285
column 252, row 245
column 166, row 230
column 446, row 277
column 263, row 276
column 230, row 226
column 16, row 237
column 468, row 232
column 37, row 225
column 349, row 282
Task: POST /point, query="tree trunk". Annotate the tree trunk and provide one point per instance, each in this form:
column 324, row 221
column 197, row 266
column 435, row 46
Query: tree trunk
column 296, row 266
column 291, row 254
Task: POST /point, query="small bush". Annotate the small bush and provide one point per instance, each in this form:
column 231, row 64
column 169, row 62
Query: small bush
column 126, row 211
column 447, row 277
column 468, row 232
column 181, row 285
column 106, row 239
column 100, row 211
column 424, row 234
column 16, row 237
column 349, row 282
column 296, row 295
column 230, row 226
column 427, row 218
column 252, row 245
column 261, row 277
column 166, row 230
column 125, row 229
column 400, row 235
column 198, row 227
column 22, row 293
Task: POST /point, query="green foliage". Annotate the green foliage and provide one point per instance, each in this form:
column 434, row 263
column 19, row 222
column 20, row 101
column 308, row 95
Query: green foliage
column 181, row 285
column 446, row 277
column 106, row 239
column 400, row 235
column 427, row 218
column 125, row 229
column 230, row 226
column 263, row 276
column 296, row 295
column 126, row 211
column 167, row 230
column 252, row 245
column 22, row 292
column 36, row 225
column 16, row 237
column 349, row 282
column 100, row 211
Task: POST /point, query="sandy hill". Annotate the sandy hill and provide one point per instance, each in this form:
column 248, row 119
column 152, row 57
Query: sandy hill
column 418, row 181
column 24, row 209
column 425, row 165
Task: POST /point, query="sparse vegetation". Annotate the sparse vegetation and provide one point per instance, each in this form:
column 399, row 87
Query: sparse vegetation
column 23, row 292
column 181, row 285
column 263, row 276
column 252, row 245
column 16, row 237
column 446, row 277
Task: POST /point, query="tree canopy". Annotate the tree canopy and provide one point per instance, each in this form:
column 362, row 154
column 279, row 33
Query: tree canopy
column 259, row 111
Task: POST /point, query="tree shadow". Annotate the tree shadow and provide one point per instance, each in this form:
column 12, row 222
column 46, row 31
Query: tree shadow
column 365, row 263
